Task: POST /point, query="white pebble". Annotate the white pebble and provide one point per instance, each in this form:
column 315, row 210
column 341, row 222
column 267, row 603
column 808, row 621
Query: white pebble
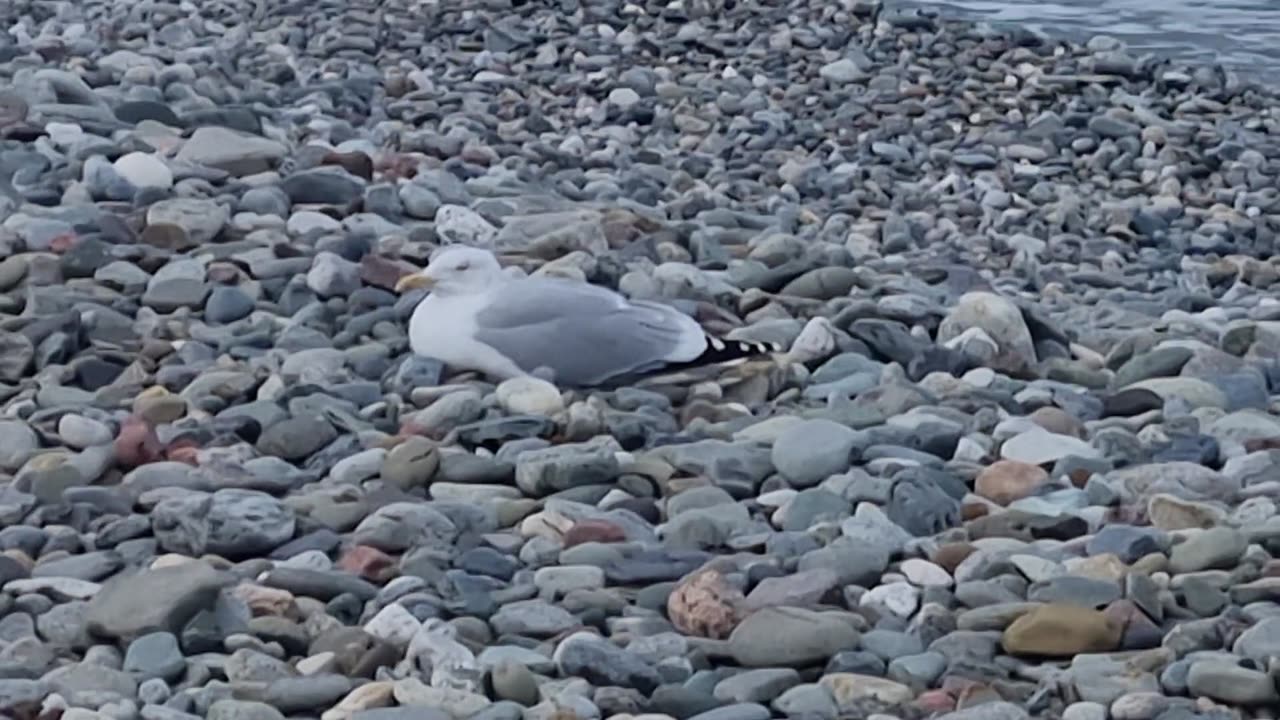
column 460, row 224
column 528, row 395
column 925, row 574
column 394, row 624
column 901, row 599
column 81, row 432
column 1085, row 711
column 144, row 170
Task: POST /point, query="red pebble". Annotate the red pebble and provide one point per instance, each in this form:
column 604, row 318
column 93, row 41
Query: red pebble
column 62, row 243
column 185, row 453
column 137, row 443
column 935, row 701
column 600, row 531
column 369, row 563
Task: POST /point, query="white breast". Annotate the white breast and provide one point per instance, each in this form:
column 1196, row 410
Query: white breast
column 443, row 328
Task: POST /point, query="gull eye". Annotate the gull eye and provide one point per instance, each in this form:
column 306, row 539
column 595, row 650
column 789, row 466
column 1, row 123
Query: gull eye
column 464, row 266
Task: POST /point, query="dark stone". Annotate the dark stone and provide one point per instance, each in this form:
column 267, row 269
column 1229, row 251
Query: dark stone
column 326, row 186
column 226, row 304
column 324, row 540
column 855, row 661
column 1126, row 542
column 96, row 373
column 228, row 116
column 135, row 111
column 920, row 506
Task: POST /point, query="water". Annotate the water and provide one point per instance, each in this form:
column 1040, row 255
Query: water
column 1241, row 34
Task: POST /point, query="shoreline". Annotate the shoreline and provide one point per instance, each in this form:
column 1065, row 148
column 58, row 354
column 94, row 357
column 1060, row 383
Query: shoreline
column 1018, row 462
column 1165, row 31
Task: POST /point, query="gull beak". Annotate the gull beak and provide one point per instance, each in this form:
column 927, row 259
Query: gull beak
column 414, row 282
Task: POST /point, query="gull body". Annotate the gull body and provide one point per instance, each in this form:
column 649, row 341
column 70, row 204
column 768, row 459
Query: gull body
column 477, row 317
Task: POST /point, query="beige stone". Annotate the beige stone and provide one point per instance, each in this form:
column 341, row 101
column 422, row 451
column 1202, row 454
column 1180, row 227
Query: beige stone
column 1007, row 480
column 1171, row 513
column 1061, row 631
column 263, row 600
column 366, row 697
column 850, row 689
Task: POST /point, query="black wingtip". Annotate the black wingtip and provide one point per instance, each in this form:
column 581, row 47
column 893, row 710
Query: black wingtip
column 720, row 350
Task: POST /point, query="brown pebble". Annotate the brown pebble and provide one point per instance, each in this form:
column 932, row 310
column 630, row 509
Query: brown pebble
column 949, row 555
column 167, row 236
column 356, row 163
column 1058, row 630
column 1265, row 443
column 601, row 531
column 1056, row 420
column 1005, row 481
column 384, row 272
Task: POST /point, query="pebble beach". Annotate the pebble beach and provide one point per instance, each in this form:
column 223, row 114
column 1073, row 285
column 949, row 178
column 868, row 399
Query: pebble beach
column 1020, row 459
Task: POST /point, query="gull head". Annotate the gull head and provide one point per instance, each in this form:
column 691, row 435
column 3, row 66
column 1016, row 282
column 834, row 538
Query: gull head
column 455, row 270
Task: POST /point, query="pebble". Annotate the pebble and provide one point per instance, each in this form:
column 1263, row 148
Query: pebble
column 144, row 170
column 809, row 452
column 1056, row 630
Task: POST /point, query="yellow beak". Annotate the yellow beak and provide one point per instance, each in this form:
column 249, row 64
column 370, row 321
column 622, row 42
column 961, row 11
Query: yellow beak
column 413, row 282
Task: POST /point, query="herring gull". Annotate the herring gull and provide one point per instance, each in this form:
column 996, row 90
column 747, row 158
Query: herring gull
column 478, row 317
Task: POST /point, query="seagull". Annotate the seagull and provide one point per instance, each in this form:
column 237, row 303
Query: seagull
column 574, row 334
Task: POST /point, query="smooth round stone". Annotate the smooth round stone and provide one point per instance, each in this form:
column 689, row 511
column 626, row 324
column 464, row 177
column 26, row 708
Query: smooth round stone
column 859, row 662
column 810, row 452
column 1040, row 447
column 412, row 463
column 1008, row 480
column 1231, row 683
column 242, row 710
column 82, row 432
column 17, row 443
column 624, row 97
column 514, row 682
column 227, row 304
column 1215, row 548
column 155, row 656
column 925, row 574
column 1139, row 706
column 756, row 685
column 888, row 644
column 807, row 700
column 737, row 711
column 920, row 670
column 529, row 396
column 1260, row 642
column 144, row 170
column 1085, row 711
column 789, row 636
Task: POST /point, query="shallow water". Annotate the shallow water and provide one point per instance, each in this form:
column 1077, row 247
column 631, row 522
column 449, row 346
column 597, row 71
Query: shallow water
column 1241, row 34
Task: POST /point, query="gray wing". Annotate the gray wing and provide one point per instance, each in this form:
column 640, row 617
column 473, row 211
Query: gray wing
column 583, row 333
